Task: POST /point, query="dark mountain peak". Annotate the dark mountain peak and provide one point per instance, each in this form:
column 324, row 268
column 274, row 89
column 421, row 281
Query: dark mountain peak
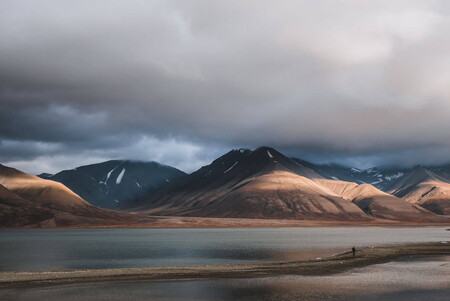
column 224, row 163
column 45, row 175
column 103, row 168
column 116, row 183
column 238, row 164
column 234, row 154
column 153, row 164
column 264, row 148
column 271, row 158
column 267, row 151
column 261, row 154
column 419, row 168
column 243, row 150
column 420, row 173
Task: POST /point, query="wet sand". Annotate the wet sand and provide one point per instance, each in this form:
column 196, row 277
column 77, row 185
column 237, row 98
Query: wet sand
column 319, row 266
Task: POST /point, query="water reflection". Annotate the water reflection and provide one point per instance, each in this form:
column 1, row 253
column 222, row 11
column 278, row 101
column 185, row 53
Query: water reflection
column 44, row 249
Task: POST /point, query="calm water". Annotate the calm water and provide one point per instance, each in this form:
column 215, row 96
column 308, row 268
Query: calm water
column 50, row 249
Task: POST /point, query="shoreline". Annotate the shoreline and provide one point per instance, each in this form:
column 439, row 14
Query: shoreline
column 313, row 267
column 212, row 222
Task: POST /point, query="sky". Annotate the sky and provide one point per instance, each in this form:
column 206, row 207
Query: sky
column 358, row 82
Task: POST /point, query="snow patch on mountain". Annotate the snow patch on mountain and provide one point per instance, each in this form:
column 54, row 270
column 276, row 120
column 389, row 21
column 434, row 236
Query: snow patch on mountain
column 231, row 167
column 395, row 176
column 110, row 172
column 119, row 178
column 377, row 182
column 108, row 175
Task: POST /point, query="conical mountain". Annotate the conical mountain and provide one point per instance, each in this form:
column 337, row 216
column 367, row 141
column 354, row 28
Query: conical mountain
column 425, row 188
column 253, row 184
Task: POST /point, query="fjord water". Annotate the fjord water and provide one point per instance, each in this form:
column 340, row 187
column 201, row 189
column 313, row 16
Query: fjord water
column 53, row 249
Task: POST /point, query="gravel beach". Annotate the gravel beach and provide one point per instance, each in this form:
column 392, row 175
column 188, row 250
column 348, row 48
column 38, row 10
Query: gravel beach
column 318, row 266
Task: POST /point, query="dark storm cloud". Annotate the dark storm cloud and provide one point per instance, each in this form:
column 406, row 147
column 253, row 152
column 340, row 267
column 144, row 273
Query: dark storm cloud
column 361, row 82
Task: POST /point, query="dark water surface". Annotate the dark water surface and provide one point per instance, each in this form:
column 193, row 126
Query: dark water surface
column 51, row 249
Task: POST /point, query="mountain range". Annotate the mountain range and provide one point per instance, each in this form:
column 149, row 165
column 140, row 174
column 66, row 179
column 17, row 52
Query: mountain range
column 243, row 183
column 266, row 184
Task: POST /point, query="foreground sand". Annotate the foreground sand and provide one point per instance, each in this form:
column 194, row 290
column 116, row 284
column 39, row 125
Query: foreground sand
column 330, row 265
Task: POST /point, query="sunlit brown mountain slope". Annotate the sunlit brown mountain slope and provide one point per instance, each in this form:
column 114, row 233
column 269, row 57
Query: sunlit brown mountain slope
column 425, row 188
column 266, row 184
column 27, row 200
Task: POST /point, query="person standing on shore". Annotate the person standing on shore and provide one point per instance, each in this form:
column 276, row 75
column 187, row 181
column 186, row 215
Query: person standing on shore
column 353, row 251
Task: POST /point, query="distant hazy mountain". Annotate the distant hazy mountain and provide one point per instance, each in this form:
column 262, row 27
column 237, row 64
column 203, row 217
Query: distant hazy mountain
column 27, row 200
column 117, row 183
column 381, row 178
column 441, row 170
column 266, row 184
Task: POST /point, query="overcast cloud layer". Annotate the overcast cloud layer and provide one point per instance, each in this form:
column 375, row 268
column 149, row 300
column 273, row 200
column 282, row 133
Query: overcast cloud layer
column 353, row 81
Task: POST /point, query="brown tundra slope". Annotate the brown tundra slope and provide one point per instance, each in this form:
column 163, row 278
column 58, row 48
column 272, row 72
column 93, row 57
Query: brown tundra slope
column 266, row 184
column 379, row 204
column 423, row 187
column 27, row 200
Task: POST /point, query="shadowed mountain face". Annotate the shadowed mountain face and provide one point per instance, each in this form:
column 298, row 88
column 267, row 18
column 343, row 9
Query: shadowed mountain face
column 27, row 200
column 115, row 184
column 266, row 184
